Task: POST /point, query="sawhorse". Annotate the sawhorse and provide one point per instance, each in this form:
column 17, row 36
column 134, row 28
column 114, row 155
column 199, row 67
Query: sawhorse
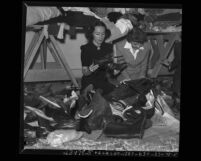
column 161, row 49
column 39, row 42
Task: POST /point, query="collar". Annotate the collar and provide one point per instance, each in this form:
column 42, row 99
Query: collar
column 133, row 51
column 96, row 47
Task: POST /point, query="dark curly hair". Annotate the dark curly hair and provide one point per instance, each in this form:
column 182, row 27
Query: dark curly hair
column 137, row 35
column 90, row 30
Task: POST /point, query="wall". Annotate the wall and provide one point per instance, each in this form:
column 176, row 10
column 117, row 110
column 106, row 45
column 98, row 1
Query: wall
column 70, row 49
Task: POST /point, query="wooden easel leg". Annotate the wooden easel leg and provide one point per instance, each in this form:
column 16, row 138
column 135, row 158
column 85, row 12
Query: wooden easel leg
column 34, row 59
column 156, row 53
column 163, row 52
column 30, row 48
column 33, row 54
column 63, row 60
column 43, row 53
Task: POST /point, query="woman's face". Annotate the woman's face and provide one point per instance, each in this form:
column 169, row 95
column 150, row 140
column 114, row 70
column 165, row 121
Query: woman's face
column 136, row 45
column 99, row 35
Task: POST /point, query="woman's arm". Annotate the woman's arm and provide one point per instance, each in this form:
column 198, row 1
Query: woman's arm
column 85, row 60
column 88, row 67
column 86, row 71
column 89, row 70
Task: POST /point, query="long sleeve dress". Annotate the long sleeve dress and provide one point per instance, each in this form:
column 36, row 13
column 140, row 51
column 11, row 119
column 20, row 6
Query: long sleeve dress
column 89, row 54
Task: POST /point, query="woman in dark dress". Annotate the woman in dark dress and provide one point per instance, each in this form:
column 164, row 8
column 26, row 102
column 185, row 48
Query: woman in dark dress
column 96, row 49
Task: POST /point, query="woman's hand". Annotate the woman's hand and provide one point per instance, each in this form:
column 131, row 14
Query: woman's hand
column 88, row 70
column 93, row 67
column 125, row 80
column 149, row 72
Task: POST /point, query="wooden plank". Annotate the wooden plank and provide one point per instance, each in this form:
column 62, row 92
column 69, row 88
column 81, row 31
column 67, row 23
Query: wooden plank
column 34, row 27
column 161, row 48
column 31, row 47
column 43, row 54
column 160, row 42
column 37, row 75
column 33, row 53
column 46, row 75
column 63, row 60
column 168, row 47
column 163, row 52
column 34, row 60
column 77, row 72
column 156, row 53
